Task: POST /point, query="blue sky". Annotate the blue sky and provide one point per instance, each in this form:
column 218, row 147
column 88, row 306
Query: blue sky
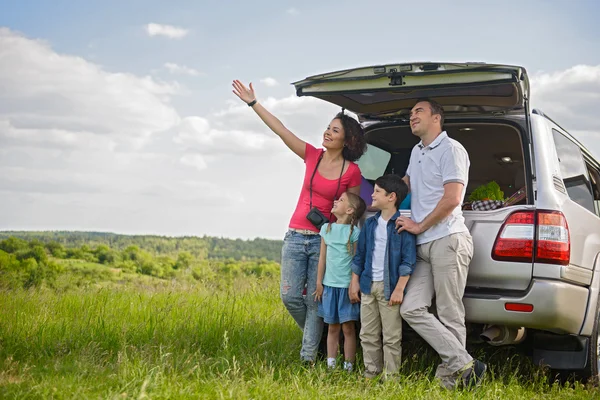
column 139, row 133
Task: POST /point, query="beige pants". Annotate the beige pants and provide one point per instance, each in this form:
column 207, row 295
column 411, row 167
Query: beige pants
column 380, row 333
column 441, row 271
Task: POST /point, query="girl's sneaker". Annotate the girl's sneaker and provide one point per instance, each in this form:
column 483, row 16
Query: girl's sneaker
column 331, row 363
column 348, row 366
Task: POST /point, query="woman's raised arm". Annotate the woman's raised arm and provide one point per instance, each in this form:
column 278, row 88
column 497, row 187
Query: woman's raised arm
column 292, row 141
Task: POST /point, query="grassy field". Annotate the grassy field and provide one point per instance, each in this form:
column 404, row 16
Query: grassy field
column 178, row 340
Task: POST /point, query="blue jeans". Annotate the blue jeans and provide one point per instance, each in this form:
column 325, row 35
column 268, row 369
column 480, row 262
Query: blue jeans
column 299, row 260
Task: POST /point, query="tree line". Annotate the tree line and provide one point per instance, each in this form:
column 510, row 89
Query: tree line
column 204, row 247
column 28, row 259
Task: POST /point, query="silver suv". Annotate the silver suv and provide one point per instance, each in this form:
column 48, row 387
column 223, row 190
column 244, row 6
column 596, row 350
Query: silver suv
column 534, row 274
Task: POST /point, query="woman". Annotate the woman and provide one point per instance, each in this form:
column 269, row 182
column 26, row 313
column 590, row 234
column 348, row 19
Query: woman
column 329, row 173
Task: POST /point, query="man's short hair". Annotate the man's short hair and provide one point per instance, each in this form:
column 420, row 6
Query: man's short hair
column 436, row 108
column 393, row 183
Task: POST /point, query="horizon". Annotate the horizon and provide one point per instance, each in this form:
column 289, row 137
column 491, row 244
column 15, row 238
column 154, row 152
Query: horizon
column 8, row 232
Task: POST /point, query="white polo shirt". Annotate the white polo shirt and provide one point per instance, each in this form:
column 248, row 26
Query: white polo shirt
column 444, row 161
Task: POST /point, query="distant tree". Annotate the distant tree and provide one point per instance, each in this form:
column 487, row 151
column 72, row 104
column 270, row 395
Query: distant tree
column 184, row 260
column 75, row 254
column 33, row 273
column 37, row 252
column 201, row 248
column 8, row 262
column 13, row 245
column 105, row 255
column 56, row 249
column 131, row 253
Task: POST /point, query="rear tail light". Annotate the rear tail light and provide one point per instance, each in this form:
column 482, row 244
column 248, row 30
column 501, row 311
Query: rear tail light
column 516, row 238
column 553, row 241
column 529, row 235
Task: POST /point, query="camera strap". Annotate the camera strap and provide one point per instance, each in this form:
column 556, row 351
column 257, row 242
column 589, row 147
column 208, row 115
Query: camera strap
column 313, row 176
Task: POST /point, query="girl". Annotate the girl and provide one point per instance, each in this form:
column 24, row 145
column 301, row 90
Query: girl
column 338, row 245
column 329, row 171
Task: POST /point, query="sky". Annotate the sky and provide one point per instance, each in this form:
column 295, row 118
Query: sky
column 118, row 116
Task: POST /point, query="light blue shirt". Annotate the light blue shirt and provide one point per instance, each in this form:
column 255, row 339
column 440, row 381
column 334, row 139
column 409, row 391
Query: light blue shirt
column 338, row 260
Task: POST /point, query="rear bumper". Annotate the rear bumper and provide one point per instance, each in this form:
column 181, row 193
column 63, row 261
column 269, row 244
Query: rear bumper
column 557, row 306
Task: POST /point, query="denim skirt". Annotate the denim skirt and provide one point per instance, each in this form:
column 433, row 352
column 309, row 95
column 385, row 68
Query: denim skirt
column 335, row 306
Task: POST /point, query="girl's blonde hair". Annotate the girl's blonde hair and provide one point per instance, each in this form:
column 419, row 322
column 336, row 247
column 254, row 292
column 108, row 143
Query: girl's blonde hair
column 359, row 206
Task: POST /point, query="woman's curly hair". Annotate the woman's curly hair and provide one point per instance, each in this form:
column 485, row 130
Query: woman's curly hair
column 355, row 143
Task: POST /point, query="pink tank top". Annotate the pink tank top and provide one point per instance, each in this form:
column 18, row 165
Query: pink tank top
column 323, row 190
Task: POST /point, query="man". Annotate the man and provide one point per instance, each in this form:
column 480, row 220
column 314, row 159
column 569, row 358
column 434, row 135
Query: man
column 437, row 176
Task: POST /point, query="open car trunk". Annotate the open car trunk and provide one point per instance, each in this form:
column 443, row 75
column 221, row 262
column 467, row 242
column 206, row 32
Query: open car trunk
column 391, row 90
column 496, row 152
column 486, row 109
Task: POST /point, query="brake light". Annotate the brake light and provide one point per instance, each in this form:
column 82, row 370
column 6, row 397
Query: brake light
column 515, row 239
column 553, row 242
column 525, row 235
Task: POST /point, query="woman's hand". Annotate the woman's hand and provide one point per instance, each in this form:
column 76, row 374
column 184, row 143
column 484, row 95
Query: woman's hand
column 241, row 91
column 295, row 144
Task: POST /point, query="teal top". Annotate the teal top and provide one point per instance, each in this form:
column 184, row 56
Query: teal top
column 338, row 260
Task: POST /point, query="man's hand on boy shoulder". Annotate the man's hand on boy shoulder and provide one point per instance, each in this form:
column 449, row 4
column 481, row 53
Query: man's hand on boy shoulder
column 397, row 297
column 354, row 290
column 407, row 224
column 319, row 292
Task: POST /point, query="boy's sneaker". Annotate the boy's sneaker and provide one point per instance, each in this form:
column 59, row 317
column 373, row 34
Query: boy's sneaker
column 474, row 375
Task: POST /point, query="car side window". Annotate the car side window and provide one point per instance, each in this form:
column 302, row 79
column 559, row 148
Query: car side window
column 574, row 171
column 595, row 181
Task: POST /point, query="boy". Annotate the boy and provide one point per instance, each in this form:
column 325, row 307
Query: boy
column 383, row 263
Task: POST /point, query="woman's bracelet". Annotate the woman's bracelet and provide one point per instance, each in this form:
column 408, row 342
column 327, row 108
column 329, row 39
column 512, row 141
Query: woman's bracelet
column 253, row 102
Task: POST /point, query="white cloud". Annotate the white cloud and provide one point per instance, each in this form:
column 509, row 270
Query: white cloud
column 181, row 69
column 196, row 133
column 269, row 82
column 194, row 160
column 54, row 97
column 72, row 139
column 307, row 117
column 59, row 139
column 292, row 11
column 571, row 97
column 211, row 193
column 172, row 32
column 238, row 132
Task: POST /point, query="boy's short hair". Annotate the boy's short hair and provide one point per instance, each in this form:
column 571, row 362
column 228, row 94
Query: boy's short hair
column 393, row 183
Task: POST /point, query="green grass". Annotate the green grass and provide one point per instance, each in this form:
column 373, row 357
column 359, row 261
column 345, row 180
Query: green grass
column 179, row 340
